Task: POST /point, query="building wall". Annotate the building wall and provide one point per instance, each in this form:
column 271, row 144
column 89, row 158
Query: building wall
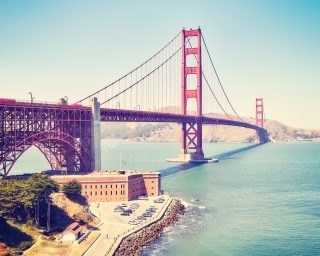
column 136, row 186
column 106, row 188
column 152, row 184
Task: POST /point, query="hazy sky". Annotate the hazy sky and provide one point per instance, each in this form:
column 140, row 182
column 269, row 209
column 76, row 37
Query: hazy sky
column 264, row 49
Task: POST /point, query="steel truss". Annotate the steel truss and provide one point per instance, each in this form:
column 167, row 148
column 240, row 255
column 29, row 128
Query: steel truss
column 61, row 132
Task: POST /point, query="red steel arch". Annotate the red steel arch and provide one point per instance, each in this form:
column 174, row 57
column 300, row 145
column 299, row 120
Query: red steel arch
column 61, row 150
column 61, row 132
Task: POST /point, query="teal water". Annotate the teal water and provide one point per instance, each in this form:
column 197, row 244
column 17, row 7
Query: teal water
column 262, row 201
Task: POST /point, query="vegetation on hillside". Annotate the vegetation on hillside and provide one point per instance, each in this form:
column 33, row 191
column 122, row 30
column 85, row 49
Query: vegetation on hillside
column 24, row 202
column 72, row 188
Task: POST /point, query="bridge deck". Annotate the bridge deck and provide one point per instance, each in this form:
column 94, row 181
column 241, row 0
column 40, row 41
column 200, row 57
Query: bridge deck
column 121, row 115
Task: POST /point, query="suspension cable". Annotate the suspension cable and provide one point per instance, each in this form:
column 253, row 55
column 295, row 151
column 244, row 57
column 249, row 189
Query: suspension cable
column 215, row 71
column 213, row 94
column 133, row 70
column 144, row 77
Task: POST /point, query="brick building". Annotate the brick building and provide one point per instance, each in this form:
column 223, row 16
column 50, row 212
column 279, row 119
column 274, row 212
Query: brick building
column 106, row 185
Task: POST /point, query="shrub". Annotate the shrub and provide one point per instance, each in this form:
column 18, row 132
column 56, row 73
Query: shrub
column 25, row 245
column 72, row 188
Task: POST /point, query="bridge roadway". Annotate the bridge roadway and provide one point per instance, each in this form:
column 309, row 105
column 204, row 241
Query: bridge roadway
column 119, row 115
column 65, row 134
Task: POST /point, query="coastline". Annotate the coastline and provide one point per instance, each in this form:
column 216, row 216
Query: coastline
column 134, row 243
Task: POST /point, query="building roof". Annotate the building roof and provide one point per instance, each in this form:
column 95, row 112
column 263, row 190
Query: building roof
column 74, row 228
column 108, row 174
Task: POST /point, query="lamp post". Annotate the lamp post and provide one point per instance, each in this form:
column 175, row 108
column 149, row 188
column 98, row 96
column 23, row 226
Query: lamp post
column 31, row 97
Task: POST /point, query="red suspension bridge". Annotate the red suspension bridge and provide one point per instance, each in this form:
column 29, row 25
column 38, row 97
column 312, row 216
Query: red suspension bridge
column 178, row 84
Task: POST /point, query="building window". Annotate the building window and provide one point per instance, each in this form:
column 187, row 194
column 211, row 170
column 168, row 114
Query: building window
column 85, row 186
column 90, row 186
column 100, row 186
column 151, row 187
column 100, row 193
column 106, row 186
column 152, row 181
column 96, row 186
column 96, row 193
column 110, row 192
column 90, row 193
column 116, row 186
column 111, row 186
column 106, row 192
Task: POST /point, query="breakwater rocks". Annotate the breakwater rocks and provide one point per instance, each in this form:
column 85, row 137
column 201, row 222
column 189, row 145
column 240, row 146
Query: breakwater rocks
column 133, row 245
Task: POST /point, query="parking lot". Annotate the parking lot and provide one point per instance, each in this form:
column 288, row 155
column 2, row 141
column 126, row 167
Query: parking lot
column 113, row 212
column 115, row 224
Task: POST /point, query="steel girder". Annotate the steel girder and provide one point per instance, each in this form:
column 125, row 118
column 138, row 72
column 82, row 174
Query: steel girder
column 62, row 133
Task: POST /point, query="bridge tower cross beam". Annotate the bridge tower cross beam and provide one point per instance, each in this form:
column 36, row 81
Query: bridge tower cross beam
column 191, row 133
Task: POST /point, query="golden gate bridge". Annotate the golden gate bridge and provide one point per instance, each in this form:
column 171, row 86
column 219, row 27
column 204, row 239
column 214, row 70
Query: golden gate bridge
column 178, row 84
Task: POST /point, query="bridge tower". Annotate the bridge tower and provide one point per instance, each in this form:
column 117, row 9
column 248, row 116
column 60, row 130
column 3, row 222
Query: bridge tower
column 262, row 136
column 259, row 112
column 191, row 148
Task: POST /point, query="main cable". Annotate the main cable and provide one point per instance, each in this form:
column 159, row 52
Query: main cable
column 213, row 94
column 133, row 70
column 219, row 79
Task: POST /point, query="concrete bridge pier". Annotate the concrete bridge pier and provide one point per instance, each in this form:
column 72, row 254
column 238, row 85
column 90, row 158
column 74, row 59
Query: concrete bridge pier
column 96, row 135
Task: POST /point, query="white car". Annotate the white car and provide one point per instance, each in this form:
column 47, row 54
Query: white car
column 132, row 222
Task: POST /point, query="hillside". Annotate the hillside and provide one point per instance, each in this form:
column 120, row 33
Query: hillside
column 211, row 133
column 66, row 210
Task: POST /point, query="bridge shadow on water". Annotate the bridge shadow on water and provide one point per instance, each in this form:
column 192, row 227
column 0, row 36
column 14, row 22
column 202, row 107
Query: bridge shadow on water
column 186, row 166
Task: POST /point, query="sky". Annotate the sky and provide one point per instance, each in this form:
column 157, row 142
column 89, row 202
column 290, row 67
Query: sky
column 266, row 49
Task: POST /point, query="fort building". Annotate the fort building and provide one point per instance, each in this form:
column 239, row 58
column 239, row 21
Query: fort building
column 112, row 185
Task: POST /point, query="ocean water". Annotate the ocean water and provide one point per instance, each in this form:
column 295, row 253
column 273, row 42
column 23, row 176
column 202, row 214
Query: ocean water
column 260, row 201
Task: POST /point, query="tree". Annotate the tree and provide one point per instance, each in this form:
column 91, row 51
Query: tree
column 72, row 188
column 23, row 200
column 41, row 185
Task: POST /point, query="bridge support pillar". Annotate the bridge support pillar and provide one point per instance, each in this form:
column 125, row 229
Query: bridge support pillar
column 191, row 133
column 262, row 137
column 96, row 135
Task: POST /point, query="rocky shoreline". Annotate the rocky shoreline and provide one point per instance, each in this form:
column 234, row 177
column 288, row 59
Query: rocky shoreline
column 136, row 242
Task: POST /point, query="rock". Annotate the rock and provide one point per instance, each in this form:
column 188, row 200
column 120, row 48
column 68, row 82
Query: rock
column 4, row 251
column 134, row 244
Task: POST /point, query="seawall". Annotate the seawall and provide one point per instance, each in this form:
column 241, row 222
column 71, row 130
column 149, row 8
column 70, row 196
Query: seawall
column 136, row 242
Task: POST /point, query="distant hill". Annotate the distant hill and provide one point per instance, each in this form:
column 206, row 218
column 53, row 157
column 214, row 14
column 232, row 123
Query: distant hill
column 211, row 133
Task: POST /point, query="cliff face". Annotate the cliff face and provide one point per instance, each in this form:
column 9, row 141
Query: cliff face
column 211, row 133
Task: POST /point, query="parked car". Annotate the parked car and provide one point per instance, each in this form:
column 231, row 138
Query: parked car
column 132, row 222
column 158, row 200
column 143, row 198
column 118, row 209
column 141, row 217
column 138, row 221
column 124, row 213
column 147, row 214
